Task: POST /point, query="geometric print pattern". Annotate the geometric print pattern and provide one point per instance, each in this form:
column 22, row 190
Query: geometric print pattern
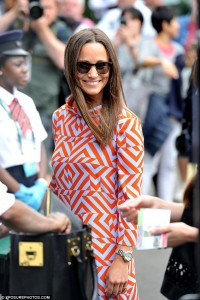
column 92, row 181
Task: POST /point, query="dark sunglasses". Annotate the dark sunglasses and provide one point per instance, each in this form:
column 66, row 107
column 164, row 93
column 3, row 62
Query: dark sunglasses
column 102, row 67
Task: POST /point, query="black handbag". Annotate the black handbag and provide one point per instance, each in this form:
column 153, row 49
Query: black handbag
column 59, row 265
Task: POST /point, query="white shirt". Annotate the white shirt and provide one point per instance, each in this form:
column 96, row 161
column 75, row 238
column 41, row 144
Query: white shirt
column 100, row 7
column 11, row 153
column 111, row 21
column 6, row 200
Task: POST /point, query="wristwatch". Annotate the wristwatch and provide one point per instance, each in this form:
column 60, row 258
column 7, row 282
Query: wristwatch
column 127, row 256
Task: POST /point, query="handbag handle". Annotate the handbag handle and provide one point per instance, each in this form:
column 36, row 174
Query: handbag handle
column 48, row 203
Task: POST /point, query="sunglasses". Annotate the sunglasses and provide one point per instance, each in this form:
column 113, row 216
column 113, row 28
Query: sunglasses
column 102, row 67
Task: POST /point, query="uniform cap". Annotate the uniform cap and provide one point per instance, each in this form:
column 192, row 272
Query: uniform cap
column 11, row 43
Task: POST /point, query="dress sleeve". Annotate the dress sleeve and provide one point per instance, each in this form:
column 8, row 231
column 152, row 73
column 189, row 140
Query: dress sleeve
column 130, row 160
column 55, row 117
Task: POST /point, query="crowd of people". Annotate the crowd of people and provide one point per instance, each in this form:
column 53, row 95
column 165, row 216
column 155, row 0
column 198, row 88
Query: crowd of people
column 92, row 107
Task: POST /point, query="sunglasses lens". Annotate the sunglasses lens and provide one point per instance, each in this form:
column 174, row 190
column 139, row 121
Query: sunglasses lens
column 102, row 67
column 83, row 67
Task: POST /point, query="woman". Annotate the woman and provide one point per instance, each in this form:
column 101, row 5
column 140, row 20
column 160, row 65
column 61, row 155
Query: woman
column 22, row 157
column 98, row 157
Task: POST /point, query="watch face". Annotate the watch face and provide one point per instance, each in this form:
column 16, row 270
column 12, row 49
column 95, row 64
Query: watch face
column 127, row 256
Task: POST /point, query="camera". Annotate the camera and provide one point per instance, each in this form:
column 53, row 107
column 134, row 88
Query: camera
column 123, row 21
column 35, row 9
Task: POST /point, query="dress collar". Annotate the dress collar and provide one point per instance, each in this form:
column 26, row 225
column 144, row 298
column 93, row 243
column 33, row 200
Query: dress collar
column 94, row 111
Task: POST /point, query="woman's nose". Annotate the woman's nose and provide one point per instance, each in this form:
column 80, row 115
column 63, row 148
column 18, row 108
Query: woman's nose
column 93, row 72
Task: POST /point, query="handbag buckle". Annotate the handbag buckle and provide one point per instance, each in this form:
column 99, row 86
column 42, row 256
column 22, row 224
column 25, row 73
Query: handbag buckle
column 74, row 245
column 88, row 245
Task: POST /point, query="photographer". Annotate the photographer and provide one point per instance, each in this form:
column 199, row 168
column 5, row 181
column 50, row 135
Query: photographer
column 45, row 39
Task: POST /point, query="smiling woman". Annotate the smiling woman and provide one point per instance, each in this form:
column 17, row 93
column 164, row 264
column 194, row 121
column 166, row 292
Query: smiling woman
column 98, row 158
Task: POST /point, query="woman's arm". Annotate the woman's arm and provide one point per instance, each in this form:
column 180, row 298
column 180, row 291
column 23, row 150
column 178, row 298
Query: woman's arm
column 130, row 158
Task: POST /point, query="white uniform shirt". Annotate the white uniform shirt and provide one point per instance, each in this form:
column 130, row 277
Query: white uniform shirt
column 11, row 153
column 6, row 200
column 111, row 21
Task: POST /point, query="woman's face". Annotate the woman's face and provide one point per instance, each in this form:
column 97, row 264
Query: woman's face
column 92, row 83
column 15, row 73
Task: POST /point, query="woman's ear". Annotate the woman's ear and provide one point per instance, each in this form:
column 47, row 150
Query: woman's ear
column 1, row 72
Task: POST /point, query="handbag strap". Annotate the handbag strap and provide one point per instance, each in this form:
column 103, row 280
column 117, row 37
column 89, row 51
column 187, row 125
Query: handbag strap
column 94, row 278
column 48, row 203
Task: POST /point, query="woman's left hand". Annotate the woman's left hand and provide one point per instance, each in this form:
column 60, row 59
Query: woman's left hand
column 117, row 277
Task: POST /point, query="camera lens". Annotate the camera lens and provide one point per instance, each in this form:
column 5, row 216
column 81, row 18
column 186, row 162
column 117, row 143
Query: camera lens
column 123, row 21
column 35, row 10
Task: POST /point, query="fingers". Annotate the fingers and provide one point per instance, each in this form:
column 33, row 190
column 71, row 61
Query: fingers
column 159, row 230
column 64, row 223
column 114, row 289
column 127, row 213
column 122, row 288
column 68, row 226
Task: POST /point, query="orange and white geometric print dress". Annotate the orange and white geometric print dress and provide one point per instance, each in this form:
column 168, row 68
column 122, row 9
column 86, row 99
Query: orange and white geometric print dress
column 92, row 180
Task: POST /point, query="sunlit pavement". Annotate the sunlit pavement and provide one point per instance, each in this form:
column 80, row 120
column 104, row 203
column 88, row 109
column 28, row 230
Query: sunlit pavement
column 150, row 268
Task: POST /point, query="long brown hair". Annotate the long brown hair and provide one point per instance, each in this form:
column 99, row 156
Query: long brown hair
column 113, row 100
column 188, row 190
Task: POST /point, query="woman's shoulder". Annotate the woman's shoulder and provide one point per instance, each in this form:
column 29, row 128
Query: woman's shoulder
column 126, row 114
column 59, row 111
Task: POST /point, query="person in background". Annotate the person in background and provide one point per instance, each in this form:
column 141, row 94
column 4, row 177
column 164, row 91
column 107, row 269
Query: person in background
column 45, row 39
column 165, row 59
column 98, row 158
column 19, row 217
column 181, row 275
column 100, row 7
column 72, row 12
column 127, row 38
column 127, row 42
column 153, row 3
column 110, row 22
column 188, row 25
column 23, row 163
